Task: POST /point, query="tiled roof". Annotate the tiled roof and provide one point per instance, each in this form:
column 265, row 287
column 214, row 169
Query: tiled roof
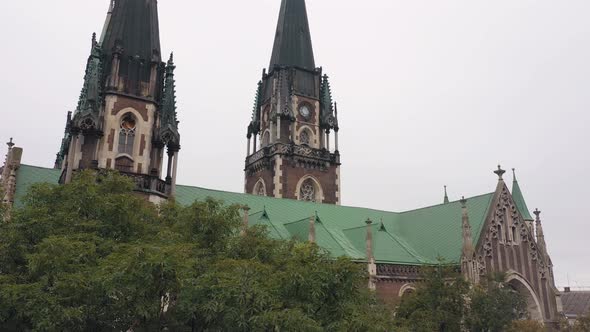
column 576, row 304
column 413, row 238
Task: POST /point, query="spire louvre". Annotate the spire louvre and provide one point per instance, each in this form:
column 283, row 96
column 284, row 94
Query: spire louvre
column 292, row 45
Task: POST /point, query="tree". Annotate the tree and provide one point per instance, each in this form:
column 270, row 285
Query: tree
column 444, row 301
column 94, row 256
column 438, row 304
column 494, row 306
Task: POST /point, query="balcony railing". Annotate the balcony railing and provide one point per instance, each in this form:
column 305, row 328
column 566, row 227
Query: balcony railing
column 293, row 150
column 144, row 183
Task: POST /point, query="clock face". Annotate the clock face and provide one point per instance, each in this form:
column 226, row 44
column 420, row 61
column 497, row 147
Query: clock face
column 305, row 111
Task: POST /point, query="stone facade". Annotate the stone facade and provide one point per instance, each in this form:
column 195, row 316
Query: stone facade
column 126, row 114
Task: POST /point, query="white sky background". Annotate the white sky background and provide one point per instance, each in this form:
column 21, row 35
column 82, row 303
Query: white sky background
column 429, row 93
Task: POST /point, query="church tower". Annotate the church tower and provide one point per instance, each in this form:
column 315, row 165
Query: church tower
column 126, row 115
column 289, row 153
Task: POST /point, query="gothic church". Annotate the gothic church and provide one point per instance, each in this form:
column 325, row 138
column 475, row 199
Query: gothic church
column 126, row 120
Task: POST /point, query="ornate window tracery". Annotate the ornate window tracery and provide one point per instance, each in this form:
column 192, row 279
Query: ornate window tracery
column 259, row 188
column 308, row 191
column 127, row 134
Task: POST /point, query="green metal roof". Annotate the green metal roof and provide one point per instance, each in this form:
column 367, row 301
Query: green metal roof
column 29, row 175
column 412, row 238
column 519, row 201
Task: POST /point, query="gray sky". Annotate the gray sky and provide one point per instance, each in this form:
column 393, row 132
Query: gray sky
column 429, row 92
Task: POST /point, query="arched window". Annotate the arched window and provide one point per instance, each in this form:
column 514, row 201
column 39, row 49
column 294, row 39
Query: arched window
column 127, row 134
column 259, row 188
column 305, row 137
column 308, row 191
column 265, row 139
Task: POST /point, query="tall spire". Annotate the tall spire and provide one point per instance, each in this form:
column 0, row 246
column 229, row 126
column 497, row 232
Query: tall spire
column 292, row 46
column 446, row 199
column 132, row 25
column 519, row 199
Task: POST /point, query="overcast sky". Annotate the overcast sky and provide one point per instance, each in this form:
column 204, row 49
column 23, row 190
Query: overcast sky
column 430, row 93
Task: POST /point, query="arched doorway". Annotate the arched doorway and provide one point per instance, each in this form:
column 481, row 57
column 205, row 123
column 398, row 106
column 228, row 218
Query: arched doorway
column 519, row 284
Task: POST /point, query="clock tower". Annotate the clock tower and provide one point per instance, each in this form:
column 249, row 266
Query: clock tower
column 290, row 153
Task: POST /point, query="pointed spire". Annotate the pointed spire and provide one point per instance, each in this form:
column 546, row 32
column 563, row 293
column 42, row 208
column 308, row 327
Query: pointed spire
column 540, row 233
column 370, row 257
column 468, row 249
column 519, row 199
column 371, row 265
column 446, row 199
column 327, row 118
column 292, row 45
column 169, row 121
column 133, row 26
column 254, row 127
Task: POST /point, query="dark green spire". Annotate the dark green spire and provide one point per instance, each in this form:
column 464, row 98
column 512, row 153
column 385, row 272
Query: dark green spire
column 254, row 127
column 292, row 46
column 327, row 118
column 519, row 199
column 86, row 116
column 169, row 121
column 133, row 27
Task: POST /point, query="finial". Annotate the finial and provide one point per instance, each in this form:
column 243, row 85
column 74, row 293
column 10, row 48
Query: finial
column 463, row 202
column 171, row 60
column 446, row 198
column 500, row 172
column 10, row 144
column 246, row 208
column 537, row 213
column 94, row 43
column 369, row 221
column 514, row 174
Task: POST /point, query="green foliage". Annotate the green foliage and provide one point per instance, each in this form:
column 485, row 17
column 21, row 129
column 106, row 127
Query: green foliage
column 526, row 326
column 494, row 306
column 444, row 301
column 93, row 256
column 438, row 304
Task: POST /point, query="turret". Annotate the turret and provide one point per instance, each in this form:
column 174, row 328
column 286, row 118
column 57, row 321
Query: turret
column 289, row 153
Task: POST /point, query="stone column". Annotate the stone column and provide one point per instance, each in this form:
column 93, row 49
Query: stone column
column 169, row 169
column 336, row 140
column 278, row 139
column 311, row 237
column 174, row 172
column 371, row 265
column 255, row 147
column 328, row 139
column 248, row 148
column 71, row 157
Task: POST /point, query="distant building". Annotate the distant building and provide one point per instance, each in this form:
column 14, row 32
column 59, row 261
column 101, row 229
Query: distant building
column 126, row 120
column 576, row 304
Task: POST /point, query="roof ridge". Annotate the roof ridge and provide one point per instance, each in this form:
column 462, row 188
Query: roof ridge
column 407, row 248
column 437, row 205
column 41, row 167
